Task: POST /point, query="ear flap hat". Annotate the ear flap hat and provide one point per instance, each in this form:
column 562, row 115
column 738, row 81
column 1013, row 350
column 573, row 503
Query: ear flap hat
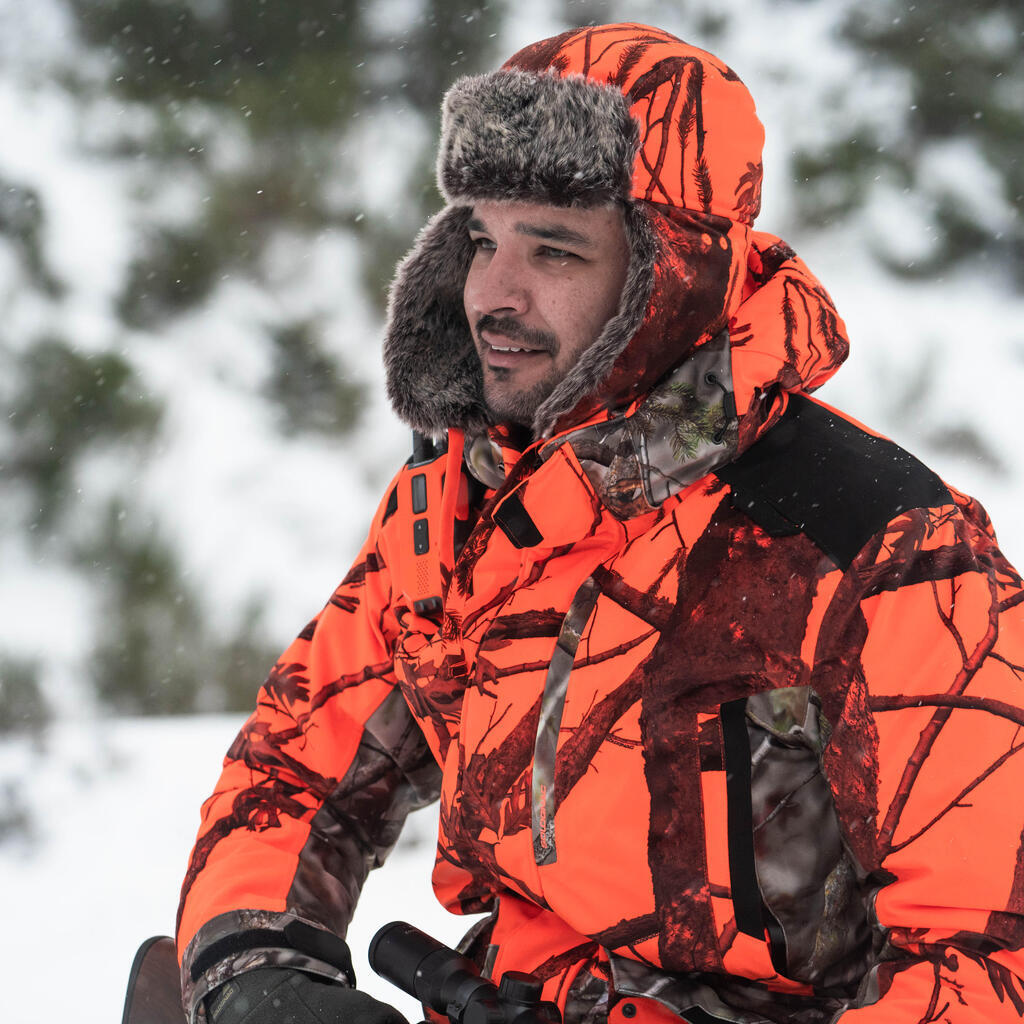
column 609, row 114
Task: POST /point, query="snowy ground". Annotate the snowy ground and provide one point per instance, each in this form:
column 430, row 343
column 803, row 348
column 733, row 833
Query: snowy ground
column 117, row 806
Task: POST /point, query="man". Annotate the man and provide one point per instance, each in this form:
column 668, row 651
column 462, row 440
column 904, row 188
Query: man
column 718, row 690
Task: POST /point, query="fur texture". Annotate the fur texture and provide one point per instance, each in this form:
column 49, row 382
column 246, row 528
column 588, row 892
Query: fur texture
column 434, row 379
column 540, row 138
column 510, row 136
column 567, row 139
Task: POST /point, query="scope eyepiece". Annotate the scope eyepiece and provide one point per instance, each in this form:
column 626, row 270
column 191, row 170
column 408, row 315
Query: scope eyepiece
column 447, row 982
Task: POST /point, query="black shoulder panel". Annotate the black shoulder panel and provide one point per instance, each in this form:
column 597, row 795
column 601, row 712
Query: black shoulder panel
column 818, row 474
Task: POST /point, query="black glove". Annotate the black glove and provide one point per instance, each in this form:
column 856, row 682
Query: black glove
column 284, row 995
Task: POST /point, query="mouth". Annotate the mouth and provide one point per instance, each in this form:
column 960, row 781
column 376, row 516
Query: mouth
column 510, row 348
column 507, row 354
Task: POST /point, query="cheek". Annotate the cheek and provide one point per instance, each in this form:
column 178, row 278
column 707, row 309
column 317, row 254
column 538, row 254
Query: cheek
column 595, row 303
column 577, row 320
column 468, row 292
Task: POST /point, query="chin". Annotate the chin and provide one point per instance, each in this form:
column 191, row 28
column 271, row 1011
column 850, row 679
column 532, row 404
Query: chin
column 512, row 408
column 502, row 412
column 514, row 405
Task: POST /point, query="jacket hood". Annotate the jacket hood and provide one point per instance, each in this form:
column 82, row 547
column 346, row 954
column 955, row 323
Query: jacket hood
column 621, row 114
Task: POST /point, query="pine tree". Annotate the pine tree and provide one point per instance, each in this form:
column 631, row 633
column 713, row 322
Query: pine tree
column 952, row 149
column 254, row 116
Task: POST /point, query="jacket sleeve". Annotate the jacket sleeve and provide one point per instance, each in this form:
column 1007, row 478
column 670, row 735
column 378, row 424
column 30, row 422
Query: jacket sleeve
column 312, row 795
column 927, row 765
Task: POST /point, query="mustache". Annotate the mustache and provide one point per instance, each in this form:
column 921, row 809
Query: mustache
column 512, row 329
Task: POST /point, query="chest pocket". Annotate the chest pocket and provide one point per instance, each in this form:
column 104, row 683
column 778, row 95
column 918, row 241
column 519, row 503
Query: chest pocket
column 790, row 876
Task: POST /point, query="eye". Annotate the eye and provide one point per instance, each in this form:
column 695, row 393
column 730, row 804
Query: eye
column 482, row 244
column 558, row 254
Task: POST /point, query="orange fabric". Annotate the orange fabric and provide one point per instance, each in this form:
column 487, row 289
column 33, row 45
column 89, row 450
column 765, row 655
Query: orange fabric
column 922, row 759
column 575, row 693
column 915, row 652
column 675, row 89
column 641, row 1011
column 257, row 820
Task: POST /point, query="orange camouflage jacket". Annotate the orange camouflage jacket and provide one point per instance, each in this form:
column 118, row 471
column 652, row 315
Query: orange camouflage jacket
column 759, row 728
column 722, row 703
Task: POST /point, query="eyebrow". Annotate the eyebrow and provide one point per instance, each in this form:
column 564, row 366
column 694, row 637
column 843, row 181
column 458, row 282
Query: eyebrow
column 548, row 232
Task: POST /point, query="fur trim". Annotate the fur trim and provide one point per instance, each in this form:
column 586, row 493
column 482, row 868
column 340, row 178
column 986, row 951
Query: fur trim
column 538, row 138
column 511, row 136
column 433, row 373
column 596, row 362
column 434, row 380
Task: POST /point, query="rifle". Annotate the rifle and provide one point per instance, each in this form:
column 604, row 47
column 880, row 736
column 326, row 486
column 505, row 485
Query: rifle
column 448, row 983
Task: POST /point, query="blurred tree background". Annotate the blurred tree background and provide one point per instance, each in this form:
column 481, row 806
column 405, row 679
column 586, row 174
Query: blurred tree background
column 243, row 135
column 240, row 128
column 952, row 150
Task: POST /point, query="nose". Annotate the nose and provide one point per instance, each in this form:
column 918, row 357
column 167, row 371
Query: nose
column 496, row 283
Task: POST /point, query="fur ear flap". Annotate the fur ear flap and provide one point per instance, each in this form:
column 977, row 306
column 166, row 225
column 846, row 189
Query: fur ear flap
column 433, row 372
column 434, row 379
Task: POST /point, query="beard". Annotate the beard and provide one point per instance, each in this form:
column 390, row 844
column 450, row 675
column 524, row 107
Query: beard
column 504, row 402
column 506, row 405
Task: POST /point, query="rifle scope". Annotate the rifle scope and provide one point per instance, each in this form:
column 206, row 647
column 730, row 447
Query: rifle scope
column 446, row 982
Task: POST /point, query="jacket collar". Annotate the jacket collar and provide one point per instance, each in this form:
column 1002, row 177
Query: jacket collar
column 680, row 431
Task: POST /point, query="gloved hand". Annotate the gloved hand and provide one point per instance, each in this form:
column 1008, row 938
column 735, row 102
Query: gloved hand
column 284, row 995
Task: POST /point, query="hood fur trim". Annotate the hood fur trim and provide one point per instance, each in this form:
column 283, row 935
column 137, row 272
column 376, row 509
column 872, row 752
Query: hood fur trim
column 536, row 137
column 512, row 136
column 433, row 373
column 434, row 380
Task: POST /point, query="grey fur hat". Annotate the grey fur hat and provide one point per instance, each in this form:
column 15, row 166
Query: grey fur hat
column 536, row 132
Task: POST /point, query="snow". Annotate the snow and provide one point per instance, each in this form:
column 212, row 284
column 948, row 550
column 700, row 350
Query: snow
column 117, row 807
column 114, row 803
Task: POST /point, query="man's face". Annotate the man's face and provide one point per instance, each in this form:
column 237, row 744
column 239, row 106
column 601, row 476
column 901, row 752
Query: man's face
column 543, row 283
